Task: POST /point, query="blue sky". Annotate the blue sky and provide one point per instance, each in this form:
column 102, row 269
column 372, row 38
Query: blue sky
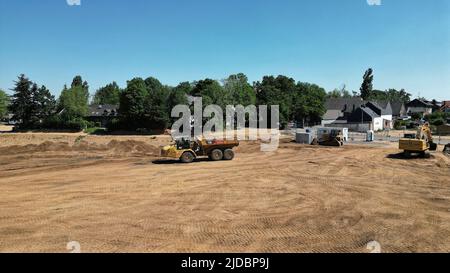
column 327, row 42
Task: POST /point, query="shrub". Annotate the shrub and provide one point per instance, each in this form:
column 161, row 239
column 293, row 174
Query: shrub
column 115, row 125
column 58, row 123
column 399, row 124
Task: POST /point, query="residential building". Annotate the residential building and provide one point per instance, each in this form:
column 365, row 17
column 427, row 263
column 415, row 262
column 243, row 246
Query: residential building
column 102, row 113
column 419, row 106
column 398, row 110
column 358, row 115
column 364, row 118
column 384, row 110
column 445, row 106
column 338, row 109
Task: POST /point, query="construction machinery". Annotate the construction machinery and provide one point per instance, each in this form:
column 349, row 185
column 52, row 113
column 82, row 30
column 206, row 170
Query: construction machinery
column 332, row 137
column 420, row 144
column 447, row 149
column 188, row 150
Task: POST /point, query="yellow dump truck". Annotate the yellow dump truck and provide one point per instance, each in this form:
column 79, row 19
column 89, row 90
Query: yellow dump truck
column 420, row 144
column 186, row 150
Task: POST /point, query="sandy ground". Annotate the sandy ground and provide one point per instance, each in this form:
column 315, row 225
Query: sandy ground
column 112, row 194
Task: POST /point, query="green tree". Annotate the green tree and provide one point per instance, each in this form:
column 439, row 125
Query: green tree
column 109, row 94
column 239, row 91
column 309, row 103
column 437, row 118
column 153, row 84
column 211, row 92
column 132, row 103
column 391, row 95
column 46, row 103
column 178, row 95
column 157, row 111
column 335, row 94
column 22, row 105
column 367, row 85
column 277, row 91
column 73, row 102
column 340, row 93
column 77, row 81
column 4, row 102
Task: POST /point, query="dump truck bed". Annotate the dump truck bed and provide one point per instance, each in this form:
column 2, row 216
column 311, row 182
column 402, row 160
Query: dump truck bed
column 208, row 146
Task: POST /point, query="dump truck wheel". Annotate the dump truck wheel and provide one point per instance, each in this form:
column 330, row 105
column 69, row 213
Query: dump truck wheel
column 216, row 155
column 228, row 154
column 187, row 157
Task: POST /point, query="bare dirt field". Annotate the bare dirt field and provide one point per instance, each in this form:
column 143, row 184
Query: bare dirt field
column 112, row 194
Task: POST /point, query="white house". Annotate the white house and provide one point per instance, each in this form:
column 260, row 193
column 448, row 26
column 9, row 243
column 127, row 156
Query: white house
column 358, row 115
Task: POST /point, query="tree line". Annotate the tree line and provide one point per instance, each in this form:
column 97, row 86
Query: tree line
column 367, row 92
column 147, row 103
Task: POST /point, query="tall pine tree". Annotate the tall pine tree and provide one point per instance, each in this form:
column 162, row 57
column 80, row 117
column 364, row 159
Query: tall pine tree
column 367, row 85
column 22, row 105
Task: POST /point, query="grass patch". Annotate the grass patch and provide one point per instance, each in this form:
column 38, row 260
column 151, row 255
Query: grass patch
column 95, row 131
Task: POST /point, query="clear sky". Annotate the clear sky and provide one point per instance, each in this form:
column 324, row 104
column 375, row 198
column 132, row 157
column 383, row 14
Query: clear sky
column 327, row 42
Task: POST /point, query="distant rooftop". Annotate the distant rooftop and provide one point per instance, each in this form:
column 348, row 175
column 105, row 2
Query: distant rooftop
column 98, row 110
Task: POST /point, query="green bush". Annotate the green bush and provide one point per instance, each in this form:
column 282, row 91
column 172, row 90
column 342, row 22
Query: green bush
column 437, row 118
column 58, row 123
column 416, row 116
column 437, row 122
column 95, row 131
column 115, row 125
column 400, row 123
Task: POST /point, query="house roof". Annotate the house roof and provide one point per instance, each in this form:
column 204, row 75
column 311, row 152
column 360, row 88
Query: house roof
column 382, row 103
column 363, row 114
column 397, row 108
column 370, row 112
column 420, row 103
column 97, row 110
column 332, row 114
column 380, row 107
column 347, row 105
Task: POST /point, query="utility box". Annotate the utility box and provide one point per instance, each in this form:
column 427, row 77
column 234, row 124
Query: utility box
column 304, row 138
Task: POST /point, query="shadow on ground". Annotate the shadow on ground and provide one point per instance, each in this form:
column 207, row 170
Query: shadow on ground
column 413, row 156
column 174, row 161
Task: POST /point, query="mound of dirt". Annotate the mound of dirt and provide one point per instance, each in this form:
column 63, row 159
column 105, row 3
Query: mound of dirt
column 47, row 146
column 114, row 146
column 132, row 146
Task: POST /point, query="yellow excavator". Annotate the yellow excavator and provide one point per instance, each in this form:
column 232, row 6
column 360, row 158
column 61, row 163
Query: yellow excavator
column 421, row 144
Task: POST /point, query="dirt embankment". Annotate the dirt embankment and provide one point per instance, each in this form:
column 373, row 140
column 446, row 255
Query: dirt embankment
column 114, row 146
